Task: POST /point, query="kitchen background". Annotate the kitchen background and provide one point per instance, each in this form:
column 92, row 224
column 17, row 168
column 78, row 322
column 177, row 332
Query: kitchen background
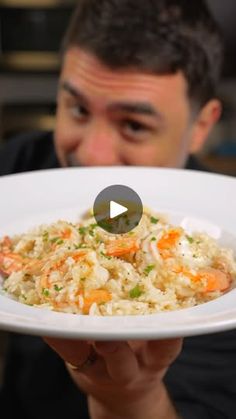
column 30, row 35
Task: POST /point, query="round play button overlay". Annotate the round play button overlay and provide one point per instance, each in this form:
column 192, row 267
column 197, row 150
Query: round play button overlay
column 118, row 209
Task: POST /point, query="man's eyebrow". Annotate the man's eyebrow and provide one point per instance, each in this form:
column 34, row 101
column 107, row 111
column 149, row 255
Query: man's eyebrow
column 68, row 87
column 139, row 108
column 136, row 108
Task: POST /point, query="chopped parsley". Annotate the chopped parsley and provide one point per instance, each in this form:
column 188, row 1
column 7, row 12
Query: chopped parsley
column 45, row 236
column 148, row 269
column 56, row 288
column 82, row 230
column 190, row 239
column 89, row 230
column 93, row 226
column 105, row 225
column 135, row 292
column 153, row 239
column 55, row 239
column 45, row 292
column 80, row 246
column 60, row 241
column 154, row 220
column 105, row 256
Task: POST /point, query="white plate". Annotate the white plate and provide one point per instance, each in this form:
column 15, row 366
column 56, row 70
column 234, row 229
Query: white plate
column 198, row 200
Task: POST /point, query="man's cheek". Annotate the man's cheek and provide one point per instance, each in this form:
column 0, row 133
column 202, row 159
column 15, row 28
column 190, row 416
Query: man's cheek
column 66, row 132
column 67, row 140
column 147, row 155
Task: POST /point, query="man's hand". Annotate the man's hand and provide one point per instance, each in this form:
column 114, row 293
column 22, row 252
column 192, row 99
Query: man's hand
column 126, row 380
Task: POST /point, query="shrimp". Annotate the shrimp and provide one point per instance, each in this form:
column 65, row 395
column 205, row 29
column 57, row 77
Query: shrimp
column 216, row 280
column 6, row 244
column 11, row 262
column 66, row 234
column 95, row 296
column 167, row 242
column 122, row 246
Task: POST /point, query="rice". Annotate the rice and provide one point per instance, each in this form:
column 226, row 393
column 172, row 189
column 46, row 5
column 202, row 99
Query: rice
column 80, row 268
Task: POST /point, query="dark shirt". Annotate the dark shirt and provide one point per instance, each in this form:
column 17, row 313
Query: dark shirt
column 201, row 382
column 27, row 152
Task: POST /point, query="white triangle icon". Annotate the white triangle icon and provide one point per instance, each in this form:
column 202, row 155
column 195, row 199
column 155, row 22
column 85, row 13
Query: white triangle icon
column 116, row 209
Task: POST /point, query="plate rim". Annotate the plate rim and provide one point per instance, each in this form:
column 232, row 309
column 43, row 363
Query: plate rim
column 202, row 329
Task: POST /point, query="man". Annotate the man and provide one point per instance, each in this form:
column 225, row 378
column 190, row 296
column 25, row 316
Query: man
column 137, row 87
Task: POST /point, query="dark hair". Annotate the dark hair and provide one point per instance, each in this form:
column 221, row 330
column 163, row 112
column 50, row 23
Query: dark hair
column 156, row 36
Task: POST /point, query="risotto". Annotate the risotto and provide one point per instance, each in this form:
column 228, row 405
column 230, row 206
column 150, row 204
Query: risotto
column 80, row 268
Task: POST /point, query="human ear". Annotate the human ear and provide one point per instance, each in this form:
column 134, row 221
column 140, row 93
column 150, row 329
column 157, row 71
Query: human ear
column 205, row 121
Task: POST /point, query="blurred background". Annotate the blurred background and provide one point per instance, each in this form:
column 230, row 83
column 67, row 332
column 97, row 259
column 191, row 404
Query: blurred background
column 30, row 37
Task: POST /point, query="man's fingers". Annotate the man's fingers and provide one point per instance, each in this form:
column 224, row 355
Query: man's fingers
column 75, row 352
column 121, row 362
column 117, row 360
column 159, row 354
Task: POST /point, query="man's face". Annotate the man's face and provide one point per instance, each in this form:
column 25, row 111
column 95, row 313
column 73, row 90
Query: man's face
column 108, row 118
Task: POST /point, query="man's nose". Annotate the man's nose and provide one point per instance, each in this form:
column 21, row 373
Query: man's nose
column 99, row 146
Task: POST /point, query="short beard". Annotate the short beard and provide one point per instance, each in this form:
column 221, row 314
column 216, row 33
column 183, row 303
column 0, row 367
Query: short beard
column 71, row 161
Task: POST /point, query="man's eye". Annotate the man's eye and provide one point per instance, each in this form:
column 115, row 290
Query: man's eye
column 134, row 129
column 79, row 111
column 134, row 126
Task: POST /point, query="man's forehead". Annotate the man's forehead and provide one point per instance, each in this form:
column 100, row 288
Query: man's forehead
column 81, row 65
column 102, row 86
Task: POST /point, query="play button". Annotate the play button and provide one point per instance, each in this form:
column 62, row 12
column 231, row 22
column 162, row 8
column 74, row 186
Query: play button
column 118, row 209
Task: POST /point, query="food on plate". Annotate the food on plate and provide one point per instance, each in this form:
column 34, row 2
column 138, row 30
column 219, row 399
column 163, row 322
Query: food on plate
column 80, row 268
